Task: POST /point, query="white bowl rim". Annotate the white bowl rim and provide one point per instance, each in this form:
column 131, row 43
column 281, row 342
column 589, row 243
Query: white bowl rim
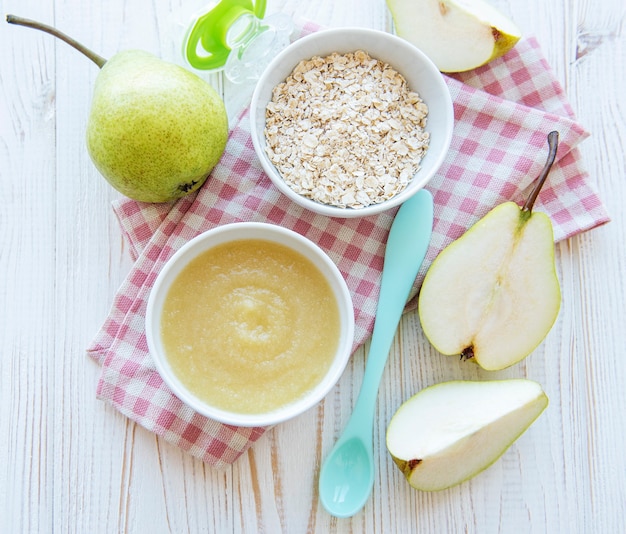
column 255, row 230
column 420, row 179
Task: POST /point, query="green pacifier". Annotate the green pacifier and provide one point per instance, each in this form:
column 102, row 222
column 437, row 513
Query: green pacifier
column 233, row 36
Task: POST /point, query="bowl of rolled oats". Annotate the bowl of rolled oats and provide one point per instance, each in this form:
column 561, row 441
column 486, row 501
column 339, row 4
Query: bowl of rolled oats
column 351, row 122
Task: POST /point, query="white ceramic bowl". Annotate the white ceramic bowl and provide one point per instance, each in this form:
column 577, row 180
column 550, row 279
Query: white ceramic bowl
column 420, row 73
column 232, row 232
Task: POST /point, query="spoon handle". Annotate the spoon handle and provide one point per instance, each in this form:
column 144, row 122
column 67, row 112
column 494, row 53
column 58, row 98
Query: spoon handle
column 406, row 248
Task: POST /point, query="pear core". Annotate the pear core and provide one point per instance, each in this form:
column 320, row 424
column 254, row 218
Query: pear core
column 156, row 130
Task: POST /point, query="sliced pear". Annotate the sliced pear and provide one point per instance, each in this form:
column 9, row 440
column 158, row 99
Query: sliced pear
column 493, row 294
column 457, row 35
column 450, row 432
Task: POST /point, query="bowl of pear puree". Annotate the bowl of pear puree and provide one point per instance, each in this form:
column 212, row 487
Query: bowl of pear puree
column 250, row 324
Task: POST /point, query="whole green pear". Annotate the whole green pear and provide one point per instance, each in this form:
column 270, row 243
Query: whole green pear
column 155, row 130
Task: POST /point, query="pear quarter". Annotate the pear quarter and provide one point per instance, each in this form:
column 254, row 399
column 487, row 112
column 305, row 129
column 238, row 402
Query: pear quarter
column 457, row 35
column 451, row 431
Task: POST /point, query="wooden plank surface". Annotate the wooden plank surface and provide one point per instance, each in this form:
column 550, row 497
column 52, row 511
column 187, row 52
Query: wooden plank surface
column 69, row 463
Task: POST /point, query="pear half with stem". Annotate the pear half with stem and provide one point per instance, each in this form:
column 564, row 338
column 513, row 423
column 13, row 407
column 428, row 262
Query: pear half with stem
column 155, row 130
column 493, row 294
column 457, row 35
column 450, row 432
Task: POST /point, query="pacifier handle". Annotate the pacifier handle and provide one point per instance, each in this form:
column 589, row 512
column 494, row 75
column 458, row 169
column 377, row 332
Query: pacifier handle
column 211, row 31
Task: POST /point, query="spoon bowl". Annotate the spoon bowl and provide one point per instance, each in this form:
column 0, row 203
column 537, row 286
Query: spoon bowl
column 347, row 475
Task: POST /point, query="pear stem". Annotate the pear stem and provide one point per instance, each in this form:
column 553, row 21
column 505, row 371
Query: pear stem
column 98, row 60
column 553, row 143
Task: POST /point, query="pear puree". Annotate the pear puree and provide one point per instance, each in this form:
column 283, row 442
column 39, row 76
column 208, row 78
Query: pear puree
column 250, row 326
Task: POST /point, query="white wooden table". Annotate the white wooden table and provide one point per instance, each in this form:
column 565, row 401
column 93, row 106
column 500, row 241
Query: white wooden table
column 69, row 463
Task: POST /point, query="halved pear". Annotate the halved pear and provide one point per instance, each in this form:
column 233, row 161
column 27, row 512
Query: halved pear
column 457, row 35
column 450, row 432
column 493, row 294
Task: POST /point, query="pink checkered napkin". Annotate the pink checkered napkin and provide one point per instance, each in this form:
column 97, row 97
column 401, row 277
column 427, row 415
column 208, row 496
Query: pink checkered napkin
column 503, row 114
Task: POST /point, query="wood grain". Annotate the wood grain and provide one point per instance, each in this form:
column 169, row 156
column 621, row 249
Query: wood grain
column 69, row 463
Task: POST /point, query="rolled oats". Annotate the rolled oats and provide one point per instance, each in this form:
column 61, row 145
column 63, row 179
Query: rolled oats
column 346, row 130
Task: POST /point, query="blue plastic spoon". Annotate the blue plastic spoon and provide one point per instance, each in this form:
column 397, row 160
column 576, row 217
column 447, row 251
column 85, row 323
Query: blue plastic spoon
column 347, row 475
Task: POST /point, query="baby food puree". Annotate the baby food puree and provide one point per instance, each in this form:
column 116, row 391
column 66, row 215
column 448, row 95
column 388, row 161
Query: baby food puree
column 250, row 326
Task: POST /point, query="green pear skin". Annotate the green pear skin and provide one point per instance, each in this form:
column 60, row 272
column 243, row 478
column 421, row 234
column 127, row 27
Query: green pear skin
column 155, row 130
